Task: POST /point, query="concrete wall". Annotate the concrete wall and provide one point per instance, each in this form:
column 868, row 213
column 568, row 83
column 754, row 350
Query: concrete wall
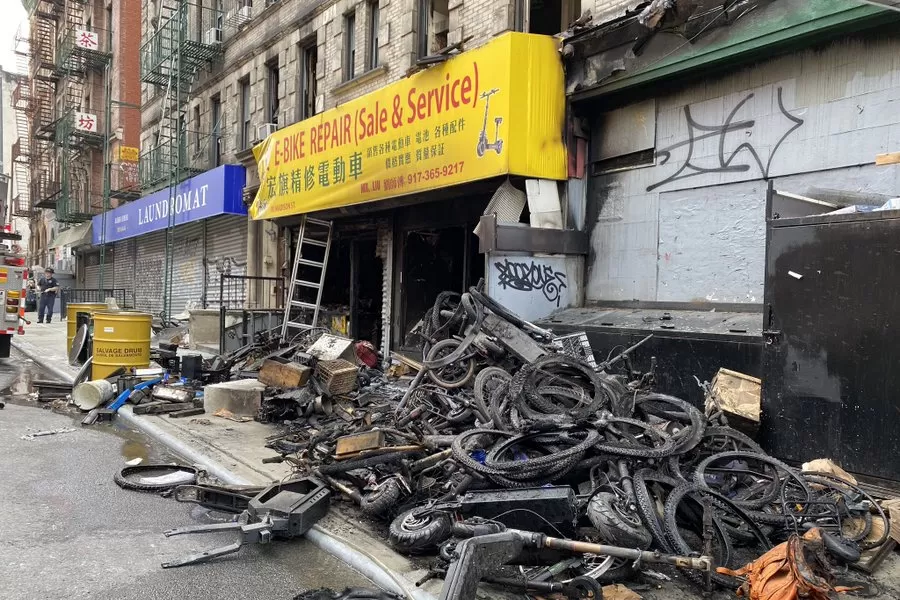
column 688, row 224
column 533, row 286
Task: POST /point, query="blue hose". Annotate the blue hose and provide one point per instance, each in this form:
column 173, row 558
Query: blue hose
column 123, row 397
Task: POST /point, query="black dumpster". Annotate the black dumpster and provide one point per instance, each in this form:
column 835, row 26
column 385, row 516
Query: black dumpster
column 832, row 340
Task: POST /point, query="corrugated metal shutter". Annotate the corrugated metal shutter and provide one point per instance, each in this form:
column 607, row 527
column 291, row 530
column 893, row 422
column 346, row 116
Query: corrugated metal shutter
column 91, row 271
column 124, row 270
column 187, row 270
column 226, row 253
column 150, row 261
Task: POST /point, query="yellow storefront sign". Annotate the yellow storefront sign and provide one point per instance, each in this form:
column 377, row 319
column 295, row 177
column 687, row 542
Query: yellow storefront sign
column 128, row 153
column 495, row 110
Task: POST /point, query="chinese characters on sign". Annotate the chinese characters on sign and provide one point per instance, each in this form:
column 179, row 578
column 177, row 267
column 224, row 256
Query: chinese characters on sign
column 494, row 110
column 89, row 40
column 86, row 122
column 128, row 153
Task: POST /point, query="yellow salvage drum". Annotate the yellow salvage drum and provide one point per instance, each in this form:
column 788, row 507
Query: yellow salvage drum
column 72, row 311
column 121, row 339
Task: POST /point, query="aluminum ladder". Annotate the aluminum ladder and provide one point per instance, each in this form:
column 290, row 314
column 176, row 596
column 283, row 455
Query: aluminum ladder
column 314, row 233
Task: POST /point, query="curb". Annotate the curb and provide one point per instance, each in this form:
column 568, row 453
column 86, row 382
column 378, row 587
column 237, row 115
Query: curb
column 363, row 562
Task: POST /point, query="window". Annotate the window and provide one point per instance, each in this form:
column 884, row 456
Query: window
column 434, row 25
column 308, row 57
column 374, row 18
column 547, row 17
column 196, row 129
column 246, row 138
column 215, row 110
column 272, row 103
column 219, row 14
column 349, row 46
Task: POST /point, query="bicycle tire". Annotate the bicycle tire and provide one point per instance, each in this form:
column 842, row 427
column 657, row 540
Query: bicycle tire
column 675, row 462
column 681, row 546
column 700, row 477
column 646, row 510
column 121, row 477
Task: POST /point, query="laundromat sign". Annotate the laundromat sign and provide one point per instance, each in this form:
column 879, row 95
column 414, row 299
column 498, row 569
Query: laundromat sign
column 215, row 192
column 495, row 110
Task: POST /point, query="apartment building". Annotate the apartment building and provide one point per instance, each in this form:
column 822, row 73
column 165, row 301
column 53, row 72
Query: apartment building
column 220, row 77
column 78, row 116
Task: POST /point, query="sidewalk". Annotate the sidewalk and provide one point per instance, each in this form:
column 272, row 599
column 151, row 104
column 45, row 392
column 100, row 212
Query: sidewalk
column 233, row 452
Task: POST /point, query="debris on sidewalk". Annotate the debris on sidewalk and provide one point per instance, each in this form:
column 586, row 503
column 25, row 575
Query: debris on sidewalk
column 555, row 443
column 797, row 568
column 46, row 432
column 505, row 436
column 283, row 510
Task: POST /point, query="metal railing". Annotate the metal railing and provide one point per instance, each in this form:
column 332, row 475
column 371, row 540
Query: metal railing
column 257, row 301
column 193, row 154
column 124, row 298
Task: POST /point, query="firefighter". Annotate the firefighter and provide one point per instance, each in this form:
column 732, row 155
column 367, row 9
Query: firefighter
column 49, row 287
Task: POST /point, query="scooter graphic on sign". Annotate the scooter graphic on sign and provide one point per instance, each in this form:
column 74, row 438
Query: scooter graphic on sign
column 483, row 144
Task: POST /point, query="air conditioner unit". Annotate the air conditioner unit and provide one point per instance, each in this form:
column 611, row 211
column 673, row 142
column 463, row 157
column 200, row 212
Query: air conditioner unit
column 265, row 130
column 213, row 36
column 244, row 13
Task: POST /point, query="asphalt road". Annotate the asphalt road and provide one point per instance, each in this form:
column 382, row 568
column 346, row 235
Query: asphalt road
column 67, row 531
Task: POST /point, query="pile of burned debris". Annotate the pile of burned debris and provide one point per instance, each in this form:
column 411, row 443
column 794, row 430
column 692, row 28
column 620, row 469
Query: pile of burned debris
column 509, row 441
column 515, row 458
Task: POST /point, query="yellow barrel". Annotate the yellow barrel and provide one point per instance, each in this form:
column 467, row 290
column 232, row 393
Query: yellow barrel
column 121, row 339
column 72, row 311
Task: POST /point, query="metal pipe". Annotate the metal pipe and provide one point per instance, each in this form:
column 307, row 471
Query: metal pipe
column 702, row 563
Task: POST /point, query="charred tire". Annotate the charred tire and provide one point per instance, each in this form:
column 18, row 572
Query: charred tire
column 414, row 534
column 646, row 506
column 121, row 477
column 681, row 546
column 466, row 365
column 617, row 527
column 694, row 428
column 738, row 439
column 780, row 467
column 485, row 383
column 585, row 588
column 383, row 500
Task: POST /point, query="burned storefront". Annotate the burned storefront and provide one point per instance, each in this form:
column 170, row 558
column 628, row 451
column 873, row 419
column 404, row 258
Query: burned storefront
column 693, row 110
column 383, row 195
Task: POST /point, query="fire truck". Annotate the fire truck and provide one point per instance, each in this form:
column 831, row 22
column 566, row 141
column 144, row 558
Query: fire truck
column 13, row 279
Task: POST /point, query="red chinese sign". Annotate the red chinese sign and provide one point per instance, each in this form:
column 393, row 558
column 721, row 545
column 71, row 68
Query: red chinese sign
column 86, row 122
column 88, row 40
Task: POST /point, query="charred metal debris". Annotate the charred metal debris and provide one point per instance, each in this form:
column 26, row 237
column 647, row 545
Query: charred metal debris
column 516, row 458
column 510, row 435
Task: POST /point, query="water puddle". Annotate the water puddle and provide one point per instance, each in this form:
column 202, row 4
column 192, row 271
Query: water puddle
column 134, row 449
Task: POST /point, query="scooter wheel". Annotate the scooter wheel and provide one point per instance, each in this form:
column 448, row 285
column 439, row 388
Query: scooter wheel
column 413, row 533
column 585, row 588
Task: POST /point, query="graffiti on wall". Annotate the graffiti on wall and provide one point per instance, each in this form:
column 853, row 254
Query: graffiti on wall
column 531, row 276
column 739, row 160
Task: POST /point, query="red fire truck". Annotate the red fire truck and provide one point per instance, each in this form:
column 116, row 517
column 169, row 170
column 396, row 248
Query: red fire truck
column 13, row 278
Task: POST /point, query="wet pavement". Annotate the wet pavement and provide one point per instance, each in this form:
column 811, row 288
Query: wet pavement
column 67, row 531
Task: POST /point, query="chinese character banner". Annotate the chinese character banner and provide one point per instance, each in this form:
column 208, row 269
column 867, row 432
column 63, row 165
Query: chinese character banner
column 495, row 110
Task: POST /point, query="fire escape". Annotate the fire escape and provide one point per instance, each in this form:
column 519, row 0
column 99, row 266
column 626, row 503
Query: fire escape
column 39, row 102
column 78, row 131
column 188, row 38
column 22, row 102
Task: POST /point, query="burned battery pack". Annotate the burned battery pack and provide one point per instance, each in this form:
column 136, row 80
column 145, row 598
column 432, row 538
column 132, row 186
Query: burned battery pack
column 530, row 509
